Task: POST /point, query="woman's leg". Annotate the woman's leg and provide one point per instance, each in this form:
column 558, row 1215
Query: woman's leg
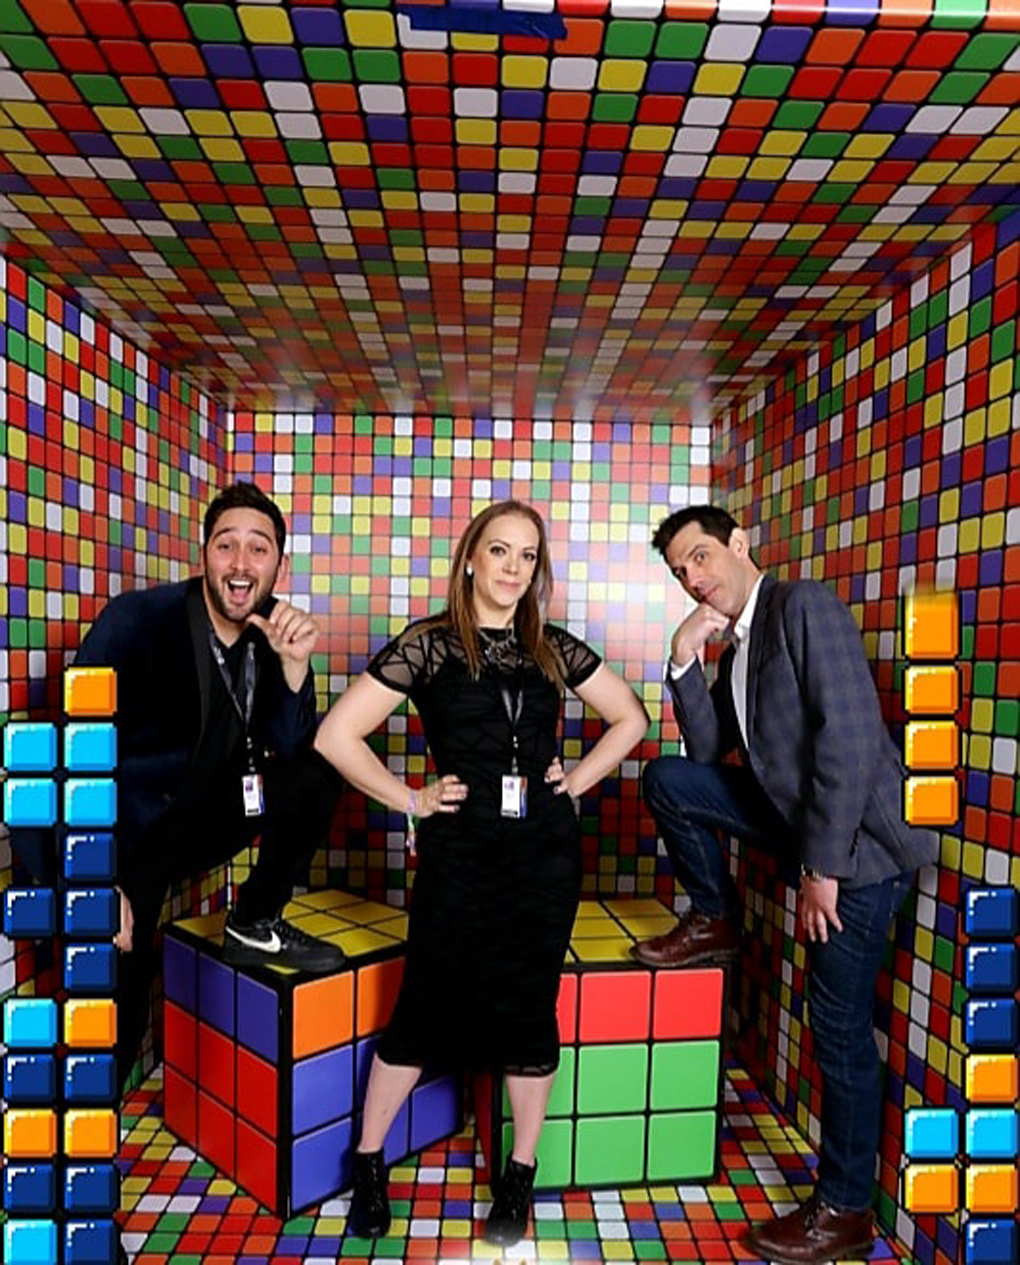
column 529, row 1096
column 388, row 1087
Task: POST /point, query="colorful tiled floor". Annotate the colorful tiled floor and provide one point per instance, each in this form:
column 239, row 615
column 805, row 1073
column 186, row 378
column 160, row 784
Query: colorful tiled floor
column 177, row 1208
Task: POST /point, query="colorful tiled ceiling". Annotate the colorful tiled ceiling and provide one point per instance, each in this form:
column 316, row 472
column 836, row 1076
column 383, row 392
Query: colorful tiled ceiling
column 890, row 458
column 308, row 204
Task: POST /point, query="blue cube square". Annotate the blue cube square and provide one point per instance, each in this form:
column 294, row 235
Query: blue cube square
column 991, row 968
column 992, row 1133
column 991, row 913
column 30, row 1190
column 90, row 747
column 90, row 1242
column 991, row 1242
column 30, row 913
column 91, row 911
column 91, row 1190
column 90, row 801
column 30, row 1080
column 30, row 1023
column 30, row 1242
column 990, row 1023
column 30, row 747
column 90, row 1079
column 30, row 801
column 90, row 969
column 90, row 858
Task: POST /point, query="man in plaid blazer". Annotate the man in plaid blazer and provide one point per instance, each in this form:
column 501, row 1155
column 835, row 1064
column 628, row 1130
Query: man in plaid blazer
column 817, row 780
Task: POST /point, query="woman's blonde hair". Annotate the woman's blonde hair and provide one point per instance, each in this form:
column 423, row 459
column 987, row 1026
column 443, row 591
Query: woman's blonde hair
column 529, row 617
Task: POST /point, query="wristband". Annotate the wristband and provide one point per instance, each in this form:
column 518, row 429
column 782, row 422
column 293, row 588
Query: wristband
column 816, row 875
column 412, row 813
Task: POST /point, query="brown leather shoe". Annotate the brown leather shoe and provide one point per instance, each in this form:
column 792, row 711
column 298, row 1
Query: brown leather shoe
column 694, row 939
column 812, row 1234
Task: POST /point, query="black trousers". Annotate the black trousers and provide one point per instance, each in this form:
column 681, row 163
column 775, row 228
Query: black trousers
column 300, row 795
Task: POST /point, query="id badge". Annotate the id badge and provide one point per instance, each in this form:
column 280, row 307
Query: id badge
column 515, row 796
column 251, row 785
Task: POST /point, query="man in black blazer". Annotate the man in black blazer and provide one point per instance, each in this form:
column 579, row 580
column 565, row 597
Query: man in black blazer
column 215, row 720
column 818, row 780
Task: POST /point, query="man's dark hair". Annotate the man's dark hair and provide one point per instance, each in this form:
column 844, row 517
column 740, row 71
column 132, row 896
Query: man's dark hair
column 712, row 520
column 244, row 496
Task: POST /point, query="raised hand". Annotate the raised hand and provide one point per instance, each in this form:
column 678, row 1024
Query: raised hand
column 292, row 634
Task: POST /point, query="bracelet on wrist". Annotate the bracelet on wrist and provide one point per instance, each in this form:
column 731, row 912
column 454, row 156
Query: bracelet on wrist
column 815, row 875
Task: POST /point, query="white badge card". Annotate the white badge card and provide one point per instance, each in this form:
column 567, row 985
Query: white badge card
column 251, row 784
column 515, row 796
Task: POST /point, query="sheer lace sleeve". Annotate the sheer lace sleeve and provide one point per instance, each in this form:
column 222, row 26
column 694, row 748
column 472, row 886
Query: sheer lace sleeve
column 402, row 664
column 579, row 660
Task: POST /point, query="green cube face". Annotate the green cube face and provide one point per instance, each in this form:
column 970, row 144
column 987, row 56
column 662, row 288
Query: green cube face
column 555, row 1153
column 610, row 1150
column 681, row 1145
column 612, row 1078
column 685, row 1074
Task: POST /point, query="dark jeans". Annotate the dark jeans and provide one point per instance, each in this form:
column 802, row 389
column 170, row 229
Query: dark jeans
column 691, row 804
column 300, row 794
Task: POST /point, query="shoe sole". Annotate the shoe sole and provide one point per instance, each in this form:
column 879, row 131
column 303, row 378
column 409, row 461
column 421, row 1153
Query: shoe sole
column 235, row 954
column 710, row 957
column 853, row 1251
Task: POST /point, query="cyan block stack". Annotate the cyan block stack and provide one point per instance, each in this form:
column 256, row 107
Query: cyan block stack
column 60, row 1185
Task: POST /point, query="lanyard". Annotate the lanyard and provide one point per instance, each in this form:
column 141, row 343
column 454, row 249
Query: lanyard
column 244, row 712
column 514, row 705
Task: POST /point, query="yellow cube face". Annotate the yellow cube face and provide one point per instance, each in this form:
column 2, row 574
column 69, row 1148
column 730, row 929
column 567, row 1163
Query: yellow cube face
column 932, row 691
column 90, row 691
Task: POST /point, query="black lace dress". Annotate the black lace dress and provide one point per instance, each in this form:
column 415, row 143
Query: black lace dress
column 494, row 898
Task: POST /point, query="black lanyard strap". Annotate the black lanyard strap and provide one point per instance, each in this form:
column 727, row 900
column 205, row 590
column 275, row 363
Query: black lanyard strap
column 514, row 705
column 244, row 710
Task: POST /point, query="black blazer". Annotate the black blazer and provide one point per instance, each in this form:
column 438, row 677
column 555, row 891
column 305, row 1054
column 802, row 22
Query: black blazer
column 157, row 639
column 817, row 743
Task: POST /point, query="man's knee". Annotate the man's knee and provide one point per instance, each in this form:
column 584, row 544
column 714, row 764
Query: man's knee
column 662, row 783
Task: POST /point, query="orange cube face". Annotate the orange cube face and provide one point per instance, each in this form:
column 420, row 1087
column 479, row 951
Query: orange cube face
column 931, row 801
column 90, row 691
column 932, row 626
column 932, row 691
column 30, row 1133
column 90, row 1023
column 993, row 1078
column 931, row 1188
column 90, row 1134
column 992, row 1189
column 932, row 744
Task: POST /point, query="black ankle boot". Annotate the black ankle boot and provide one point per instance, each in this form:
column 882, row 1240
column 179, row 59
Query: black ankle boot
column 369, row 1217
column 508, row 1219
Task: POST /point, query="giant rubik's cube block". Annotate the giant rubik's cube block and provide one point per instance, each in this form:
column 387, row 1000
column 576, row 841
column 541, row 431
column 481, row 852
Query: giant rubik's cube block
column 266, row 1069
column 637, row 1097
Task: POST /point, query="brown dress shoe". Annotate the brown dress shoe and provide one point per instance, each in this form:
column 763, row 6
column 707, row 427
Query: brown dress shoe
column 812, row 1234
column 694, row 939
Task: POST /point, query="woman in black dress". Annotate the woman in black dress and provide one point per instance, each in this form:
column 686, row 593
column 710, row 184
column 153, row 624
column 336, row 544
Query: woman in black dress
column 499, row 864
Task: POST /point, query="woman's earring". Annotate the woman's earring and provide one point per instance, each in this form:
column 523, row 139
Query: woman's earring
column 470, row 570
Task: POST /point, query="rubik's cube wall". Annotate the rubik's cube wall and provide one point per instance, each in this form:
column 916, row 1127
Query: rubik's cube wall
column 889, row 458
column 377, row 504
column 60, row 1126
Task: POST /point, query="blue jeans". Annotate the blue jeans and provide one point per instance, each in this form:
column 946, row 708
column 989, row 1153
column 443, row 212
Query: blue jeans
column 691, row 804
